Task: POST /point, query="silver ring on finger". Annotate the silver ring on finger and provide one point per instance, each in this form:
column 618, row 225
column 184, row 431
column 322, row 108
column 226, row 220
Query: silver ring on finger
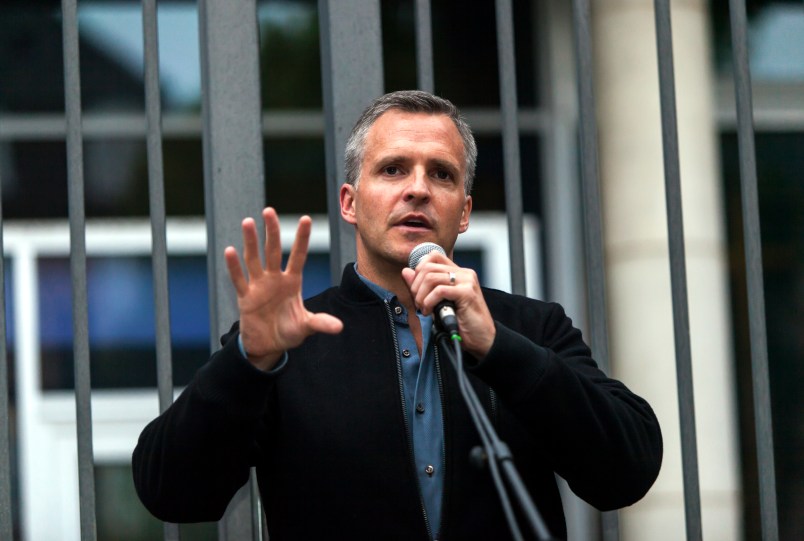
column 452, row 278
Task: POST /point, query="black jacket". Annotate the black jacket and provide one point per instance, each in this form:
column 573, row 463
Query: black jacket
column 328, row 433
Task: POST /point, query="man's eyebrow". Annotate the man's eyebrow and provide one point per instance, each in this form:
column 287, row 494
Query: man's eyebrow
column 393, row 158
column 445, row 164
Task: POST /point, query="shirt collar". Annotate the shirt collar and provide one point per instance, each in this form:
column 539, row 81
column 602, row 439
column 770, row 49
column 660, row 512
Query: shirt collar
column 378, row 290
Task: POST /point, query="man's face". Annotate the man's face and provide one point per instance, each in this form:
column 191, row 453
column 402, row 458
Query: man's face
column 411, row 188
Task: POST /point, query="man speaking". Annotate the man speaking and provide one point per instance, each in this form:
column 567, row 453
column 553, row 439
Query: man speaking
column 344, row 403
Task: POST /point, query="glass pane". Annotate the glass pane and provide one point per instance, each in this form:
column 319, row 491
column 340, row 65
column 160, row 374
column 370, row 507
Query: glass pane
column 780, row 160
column 775, row 42
column 121, row 321
column 122, row 517
column 121, row 318
column 115, row 178
column 464, row 45
column 112, row 56
column 30, row 35
column 31, row 170
column 290, row 54
column 111, row 49
column 295, row 175
column 488, row 192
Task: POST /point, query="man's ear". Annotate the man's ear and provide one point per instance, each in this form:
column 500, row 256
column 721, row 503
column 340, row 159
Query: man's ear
column 347, row 196
column 467, row 210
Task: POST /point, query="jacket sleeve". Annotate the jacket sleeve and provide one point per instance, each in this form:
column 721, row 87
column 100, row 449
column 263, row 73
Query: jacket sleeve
column 602, row 438
column 190, row 461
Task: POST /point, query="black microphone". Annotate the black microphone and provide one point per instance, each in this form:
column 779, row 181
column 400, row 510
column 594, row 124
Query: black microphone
column 444, row 313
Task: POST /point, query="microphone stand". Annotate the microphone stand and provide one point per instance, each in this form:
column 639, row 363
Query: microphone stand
column 495, row 452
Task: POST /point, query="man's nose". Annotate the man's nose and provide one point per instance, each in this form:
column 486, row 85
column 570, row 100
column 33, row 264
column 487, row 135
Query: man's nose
column 418, row 186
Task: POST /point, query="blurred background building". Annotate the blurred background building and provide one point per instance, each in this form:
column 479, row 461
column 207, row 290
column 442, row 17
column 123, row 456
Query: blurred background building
column 34, row 206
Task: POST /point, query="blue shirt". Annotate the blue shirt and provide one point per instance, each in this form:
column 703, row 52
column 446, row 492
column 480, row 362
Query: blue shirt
column 422, row 403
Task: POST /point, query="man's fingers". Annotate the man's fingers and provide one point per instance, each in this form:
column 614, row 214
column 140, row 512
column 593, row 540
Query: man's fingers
column 235, row 270
column 298, row 254
column 251, row 251
column 408, row 275
column 325, row 323
column 429, row 276
column 273, row 244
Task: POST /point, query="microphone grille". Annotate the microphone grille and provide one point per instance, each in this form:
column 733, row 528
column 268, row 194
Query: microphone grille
column 422, row 250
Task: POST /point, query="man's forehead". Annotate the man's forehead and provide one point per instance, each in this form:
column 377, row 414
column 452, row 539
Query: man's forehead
column 399, row 117
column 403, row 125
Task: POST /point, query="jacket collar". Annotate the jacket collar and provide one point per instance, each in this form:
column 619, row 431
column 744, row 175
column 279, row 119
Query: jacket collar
column 354, row 289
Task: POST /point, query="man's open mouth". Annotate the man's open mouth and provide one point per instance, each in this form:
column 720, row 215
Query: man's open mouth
column 416, row 223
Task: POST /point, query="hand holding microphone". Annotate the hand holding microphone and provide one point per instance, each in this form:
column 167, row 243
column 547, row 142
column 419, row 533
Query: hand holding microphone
column 452, row 294
column 444, row 313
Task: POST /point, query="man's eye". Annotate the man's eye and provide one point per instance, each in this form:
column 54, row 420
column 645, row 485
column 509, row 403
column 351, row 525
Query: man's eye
column 391, row 170
column 442, row 175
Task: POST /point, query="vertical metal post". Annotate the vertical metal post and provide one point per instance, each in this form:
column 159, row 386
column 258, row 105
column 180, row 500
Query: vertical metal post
column 233, row 175
column 510, row 138
column 5, row 425
column 753, row 267
column 424, row 46
column 78, row 270
column 593, row 221
column 590, row 181
column 678, row 276
column 156, row 190
column 352, row 76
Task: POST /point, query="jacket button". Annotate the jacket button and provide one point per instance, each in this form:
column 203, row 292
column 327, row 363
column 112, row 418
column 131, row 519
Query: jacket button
column 419, row 408
column 398, row 310
column 429, row 470
column 406, row 353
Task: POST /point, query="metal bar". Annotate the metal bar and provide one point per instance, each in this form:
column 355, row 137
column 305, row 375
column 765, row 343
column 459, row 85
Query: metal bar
column 424, row 46
column 590, row 181
column 753, row 268
column 678, row 277
column 352, row 76
column 510, row 138
column 156, row 192
column 5, row 424
column 233, row 174
column 593, row 221
column 156, row 186
column 78, row 270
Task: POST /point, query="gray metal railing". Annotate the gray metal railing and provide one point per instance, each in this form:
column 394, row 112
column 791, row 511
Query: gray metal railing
column 233, row 179
column 351, row 75
column 352, row 70
column 6, row 521
column 510, row 139
column 678, row 271
column 78, row 270
column 593, row 221
column 753, row 266
column 156, row 193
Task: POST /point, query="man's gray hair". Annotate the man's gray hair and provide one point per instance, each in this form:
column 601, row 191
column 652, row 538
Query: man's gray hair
column 409, row 101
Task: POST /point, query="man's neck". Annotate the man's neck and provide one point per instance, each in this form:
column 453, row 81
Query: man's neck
column 388, row 277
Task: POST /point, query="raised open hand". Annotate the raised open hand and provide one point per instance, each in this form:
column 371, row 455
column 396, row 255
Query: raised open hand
column 273, row 318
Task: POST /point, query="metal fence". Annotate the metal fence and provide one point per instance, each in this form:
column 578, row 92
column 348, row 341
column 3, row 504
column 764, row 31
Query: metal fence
column 352, row 70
